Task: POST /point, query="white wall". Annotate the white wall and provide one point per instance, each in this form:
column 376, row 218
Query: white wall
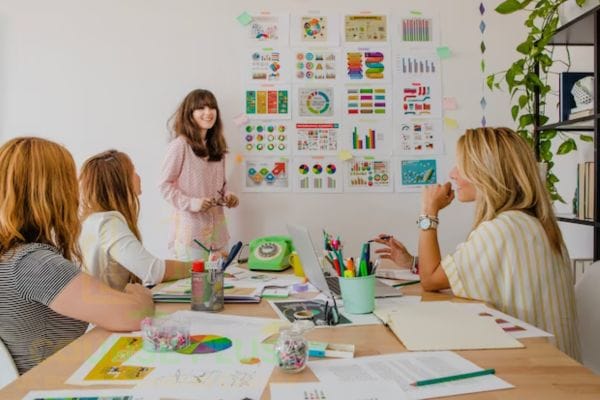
column 98, row 74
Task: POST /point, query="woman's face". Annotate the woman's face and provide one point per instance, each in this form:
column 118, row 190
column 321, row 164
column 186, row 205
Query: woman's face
column 205, row 117
column 464, row 189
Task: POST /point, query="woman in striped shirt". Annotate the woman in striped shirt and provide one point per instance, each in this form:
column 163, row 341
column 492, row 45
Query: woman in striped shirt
column 515, row 257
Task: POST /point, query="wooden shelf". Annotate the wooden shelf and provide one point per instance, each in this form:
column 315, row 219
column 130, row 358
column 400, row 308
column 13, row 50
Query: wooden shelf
column 578, row 32
column 578, row 124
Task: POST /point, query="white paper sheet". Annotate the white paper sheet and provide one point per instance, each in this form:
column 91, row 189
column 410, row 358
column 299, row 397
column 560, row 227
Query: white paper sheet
column 316, row 65
column 369, row 174
column 266, row 174
column 406, row 368
column 95, row 394
column 315, row 28
column 317, row 137
column 348, row 391
column 266, row 138
column 367, row 64
column 317, row 175
column 397, row 273
column 368, row 137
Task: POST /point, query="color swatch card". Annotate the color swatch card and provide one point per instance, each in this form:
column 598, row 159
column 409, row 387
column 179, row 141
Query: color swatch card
column 316, row 102
column 317, row 138
column 418, row 137
column 365, row 27
column 266, row 175
column 368, row 136
column 414, row 173
column 267, row 137
column 315, row 28
column 369, row 174
column 367, row 64
column 268, row 65
column 317, row 175
column 268, row 29
column 268, row 101
column 314, row 65
column 370, row 101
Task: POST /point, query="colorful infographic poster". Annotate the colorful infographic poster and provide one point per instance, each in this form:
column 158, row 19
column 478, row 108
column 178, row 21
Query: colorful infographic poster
column 314, row 102
column 367, row 137
column 268, row 29
column 267, row 66
column 418, row 30
column 365, row 28
column 413, row 174
column 419, row 98
column 417, row 65
column 266, row 175
column 367, row 64
column 368, row 101
column 316, row 65
column 419, row 137
column 315, row 28
column 317, row 137
column 267, row 137
column 369, row 174
column 317, row 175
column 268, row 101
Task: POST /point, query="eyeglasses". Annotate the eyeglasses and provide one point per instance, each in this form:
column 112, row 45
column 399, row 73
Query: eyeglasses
column 221, row 200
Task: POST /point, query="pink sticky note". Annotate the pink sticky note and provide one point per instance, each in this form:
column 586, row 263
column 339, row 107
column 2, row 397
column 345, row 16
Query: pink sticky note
column 240, row 120
column 450, row 104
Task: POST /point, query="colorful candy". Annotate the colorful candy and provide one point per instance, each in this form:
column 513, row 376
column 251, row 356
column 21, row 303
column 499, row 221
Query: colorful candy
column 161, row 335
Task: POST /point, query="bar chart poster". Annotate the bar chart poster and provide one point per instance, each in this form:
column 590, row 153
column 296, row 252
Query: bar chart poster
column 368, row 101
column 317, row 175
column 417, row 30
column 369, row 174
column 368, row 137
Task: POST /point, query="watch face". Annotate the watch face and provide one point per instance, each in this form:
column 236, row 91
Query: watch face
column 425, row 223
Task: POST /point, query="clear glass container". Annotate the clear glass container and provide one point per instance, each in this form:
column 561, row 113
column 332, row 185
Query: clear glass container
column 291, row 350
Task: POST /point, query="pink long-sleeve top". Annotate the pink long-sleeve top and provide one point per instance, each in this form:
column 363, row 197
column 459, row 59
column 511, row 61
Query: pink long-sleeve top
column 186, row 179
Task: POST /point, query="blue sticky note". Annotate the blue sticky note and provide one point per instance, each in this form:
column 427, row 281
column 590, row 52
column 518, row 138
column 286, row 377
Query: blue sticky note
column 443, row 52
column 244, row 18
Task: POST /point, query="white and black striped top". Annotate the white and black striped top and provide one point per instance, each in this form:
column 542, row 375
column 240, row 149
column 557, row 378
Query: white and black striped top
column 31, row 276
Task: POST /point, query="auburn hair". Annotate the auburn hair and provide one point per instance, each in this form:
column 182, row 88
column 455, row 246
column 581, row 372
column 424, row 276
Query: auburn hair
column 183, row 124
column 39, row 197
column 106, row 182
column 502, row 167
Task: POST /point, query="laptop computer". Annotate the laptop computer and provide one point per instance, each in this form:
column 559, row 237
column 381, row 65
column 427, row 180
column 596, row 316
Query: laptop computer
column 315, row 275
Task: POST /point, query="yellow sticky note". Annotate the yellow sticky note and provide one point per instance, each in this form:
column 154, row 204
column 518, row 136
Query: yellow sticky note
column 345, row 155
column 450, row 123
column 239, row 158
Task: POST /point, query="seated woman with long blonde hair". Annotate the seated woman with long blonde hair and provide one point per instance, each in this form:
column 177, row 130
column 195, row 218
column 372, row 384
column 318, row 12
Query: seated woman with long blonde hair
column 45, row 300
column 110, row 239
column 515, row 257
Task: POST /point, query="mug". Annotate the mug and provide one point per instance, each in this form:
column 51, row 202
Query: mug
column 296, row 264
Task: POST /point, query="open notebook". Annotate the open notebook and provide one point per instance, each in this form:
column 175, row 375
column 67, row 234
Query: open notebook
column 181, row 292
column 442, row 325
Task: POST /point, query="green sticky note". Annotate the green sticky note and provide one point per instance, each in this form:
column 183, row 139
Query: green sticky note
column 244, row 18
column 415, row 12
column 443, row 52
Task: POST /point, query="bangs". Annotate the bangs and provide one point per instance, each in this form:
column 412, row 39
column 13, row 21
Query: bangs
column 203, row 98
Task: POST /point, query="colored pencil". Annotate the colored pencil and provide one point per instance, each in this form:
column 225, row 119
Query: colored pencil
column 489, row 371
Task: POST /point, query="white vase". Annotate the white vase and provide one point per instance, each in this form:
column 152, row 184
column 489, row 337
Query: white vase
column 570, row 10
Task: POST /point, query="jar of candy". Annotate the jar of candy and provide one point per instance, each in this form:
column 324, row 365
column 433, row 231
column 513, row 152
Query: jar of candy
column 291, row 350
column 164, row 334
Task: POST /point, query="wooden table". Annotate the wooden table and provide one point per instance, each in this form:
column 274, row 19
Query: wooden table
column 539, row 371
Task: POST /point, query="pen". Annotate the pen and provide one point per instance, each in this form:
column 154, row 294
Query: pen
column 201, row 245
column 406, row 283
column 489, row 371
column 382, row 237
column 232, row 253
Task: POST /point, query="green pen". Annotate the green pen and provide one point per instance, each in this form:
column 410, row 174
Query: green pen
column 406, row 283
column 489, row 371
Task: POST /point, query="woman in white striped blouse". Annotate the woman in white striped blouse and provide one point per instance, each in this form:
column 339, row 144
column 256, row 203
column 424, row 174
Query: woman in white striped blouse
column 514, row 258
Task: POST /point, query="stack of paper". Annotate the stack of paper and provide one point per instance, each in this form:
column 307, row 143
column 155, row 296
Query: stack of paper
column 181, row 292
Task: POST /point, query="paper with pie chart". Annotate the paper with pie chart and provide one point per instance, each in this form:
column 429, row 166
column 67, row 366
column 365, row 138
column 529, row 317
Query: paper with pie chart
column 315, row 28
column 264, row 137
column 266, row 174
column 316, row 102
column 268, row 29
column 316, row 64
column 369, row 174
column 317, row 175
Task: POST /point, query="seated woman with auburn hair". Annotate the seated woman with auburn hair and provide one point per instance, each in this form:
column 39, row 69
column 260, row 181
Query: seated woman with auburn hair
column 45, row 300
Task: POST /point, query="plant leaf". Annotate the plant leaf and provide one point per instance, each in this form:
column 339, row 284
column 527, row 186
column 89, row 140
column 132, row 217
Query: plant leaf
column 508, row 6
column 514, row 112
column 586, row 138
column 490, row 81
column 566, row 147
column 523, row 100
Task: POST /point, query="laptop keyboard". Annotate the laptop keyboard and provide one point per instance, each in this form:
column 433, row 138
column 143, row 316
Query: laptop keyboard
column 334, row 284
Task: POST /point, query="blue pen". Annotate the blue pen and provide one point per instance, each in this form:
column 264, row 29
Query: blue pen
column 232, row 254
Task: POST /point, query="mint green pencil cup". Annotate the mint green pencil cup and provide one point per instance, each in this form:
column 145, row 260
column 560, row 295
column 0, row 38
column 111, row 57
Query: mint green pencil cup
column 358, row 294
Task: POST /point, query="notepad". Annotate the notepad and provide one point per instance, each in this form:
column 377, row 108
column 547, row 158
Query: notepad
column 180, row 292
column 440, row 325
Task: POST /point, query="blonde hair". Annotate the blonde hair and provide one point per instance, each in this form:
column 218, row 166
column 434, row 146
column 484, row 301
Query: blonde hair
column 502, row 167
column 38, row 196
column 106, row 181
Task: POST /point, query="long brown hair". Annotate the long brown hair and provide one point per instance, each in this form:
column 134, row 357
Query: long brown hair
column 38, row 196
column 502, row 167
column 106, row 182
column 183, row 124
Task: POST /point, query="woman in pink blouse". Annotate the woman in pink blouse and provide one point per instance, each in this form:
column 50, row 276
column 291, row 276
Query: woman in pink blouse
column 193, row 177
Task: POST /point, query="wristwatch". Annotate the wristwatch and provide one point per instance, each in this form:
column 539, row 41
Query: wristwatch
column 426, row 222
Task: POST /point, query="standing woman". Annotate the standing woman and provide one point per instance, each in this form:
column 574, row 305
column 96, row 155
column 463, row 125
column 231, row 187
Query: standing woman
column 45, row 300
column 193, row 177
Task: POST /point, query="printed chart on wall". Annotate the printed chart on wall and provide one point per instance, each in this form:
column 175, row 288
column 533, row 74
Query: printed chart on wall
column 267, row 29
column 366, row 64
column 369, row 174
column 417, row 29
column 268, row 101
column 418, row 98
column 315, row 102
column 368, row 136
column 412, row 174
column 317, row 137
column 315, row 29
column 368, row 101
column 267, row 137
column 317, row 175
column 418, row 137
column 267, row 65
column 315, row 64
column 365, row 28
column 266, row 175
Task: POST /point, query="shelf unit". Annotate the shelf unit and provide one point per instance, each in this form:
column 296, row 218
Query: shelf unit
column 581, row 31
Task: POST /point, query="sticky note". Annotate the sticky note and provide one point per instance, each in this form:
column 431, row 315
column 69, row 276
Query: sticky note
column 240, row 120
column 239, row 158
column 415, row 12
column 345, row 155
column 244, row 18
column 450, row 123
column 449, row 103
column 443, row 52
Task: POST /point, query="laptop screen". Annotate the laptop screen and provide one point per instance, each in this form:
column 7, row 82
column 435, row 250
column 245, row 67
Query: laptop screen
column 308, row 257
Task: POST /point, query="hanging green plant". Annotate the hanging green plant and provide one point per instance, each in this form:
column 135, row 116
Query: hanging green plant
column 528, row 75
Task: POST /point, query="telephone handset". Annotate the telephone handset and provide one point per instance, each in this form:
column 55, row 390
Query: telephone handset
column 270, row 253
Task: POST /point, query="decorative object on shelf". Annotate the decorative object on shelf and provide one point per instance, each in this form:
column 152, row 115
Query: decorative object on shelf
column 575, row 96
column 526, row 79
column 583, row 93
